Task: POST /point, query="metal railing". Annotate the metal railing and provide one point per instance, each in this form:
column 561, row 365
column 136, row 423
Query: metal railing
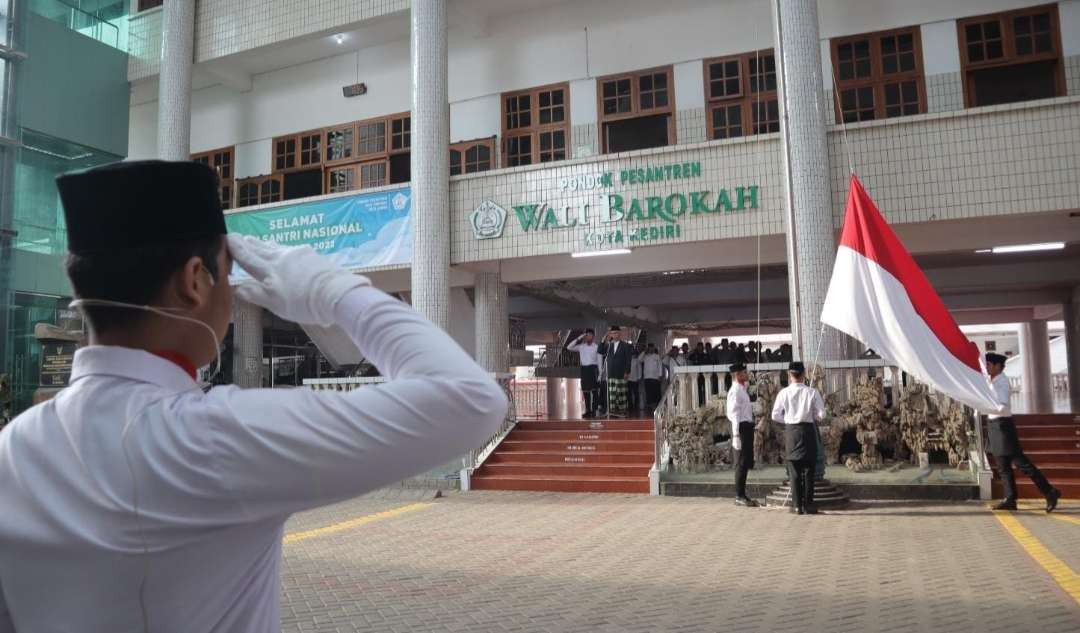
column 530, row 398
column 475, row 457
column 78, row 20
column 660, row 451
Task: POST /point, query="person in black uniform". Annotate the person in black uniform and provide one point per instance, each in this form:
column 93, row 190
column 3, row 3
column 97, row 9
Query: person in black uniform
column 617, row 355
column 800, row 407
column 1005, row 444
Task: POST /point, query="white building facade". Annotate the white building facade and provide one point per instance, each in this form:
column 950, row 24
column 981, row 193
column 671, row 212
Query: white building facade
column 687, row 132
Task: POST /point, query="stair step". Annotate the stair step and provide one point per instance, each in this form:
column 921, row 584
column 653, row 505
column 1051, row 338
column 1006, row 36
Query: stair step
column 1044, row 444
column 566, row 457
column 1056, row 431
column 1070, row 488
column 585, row 425
column 557, row 483
column 1034, row 419
column 578, row 446
column 582, row 435
column 1053, row 457
column 583, row 470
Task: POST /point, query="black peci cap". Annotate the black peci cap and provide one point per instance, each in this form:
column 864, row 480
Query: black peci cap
column 615, row 328
column 796, row 367
column 996, row 359
column 737, row 367
column 140, row 203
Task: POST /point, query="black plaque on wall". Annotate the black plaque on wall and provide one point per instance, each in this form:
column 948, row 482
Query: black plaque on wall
column 56, row 360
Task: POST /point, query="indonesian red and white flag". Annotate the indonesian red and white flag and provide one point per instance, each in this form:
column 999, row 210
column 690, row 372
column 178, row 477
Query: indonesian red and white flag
column 880, row 296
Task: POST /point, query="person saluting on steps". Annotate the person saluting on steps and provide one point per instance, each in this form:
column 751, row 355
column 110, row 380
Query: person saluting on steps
column 1005, row 443
column 799, row 407
column 741, row 415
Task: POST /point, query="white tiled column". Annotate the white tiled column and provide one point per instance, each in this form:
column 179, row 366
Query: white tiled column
column 430, row 163
column 174, row 86
column 1035, row 355
column 492, row 323
column 247, row 345
column 1072, row 348
column 808, row 221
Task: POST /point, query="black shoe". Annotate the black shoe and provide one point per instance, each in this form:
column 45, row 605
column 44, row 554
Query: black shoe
column 810, row 510
column 587, row 415
column 1008, row 504
column 1052, row 499
column 800, row 510
column 745, row 502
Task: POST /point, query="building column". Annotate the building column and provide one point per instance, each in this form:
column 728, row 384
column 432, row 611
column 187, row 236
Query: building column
column 174, row 79
column 1072, row 347
column 430, row 163
column 808, row 220
column 247, row 345
column 492, row 323
column 1035, row 355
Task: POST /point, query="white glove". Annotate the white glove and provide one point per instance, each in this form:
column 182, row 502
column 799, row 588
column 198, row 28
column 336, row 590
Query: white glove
column 736, row 442
column 295, row 283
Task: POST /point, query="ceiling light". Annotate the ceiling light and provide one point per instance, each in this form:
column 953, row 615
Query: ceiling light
column 985, row 250
column 339, row 38
column 613, row 251
column 1027, row 248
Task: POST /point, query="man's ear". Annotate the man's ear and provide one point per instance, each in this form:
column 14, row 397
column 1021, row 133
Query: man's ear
column 192, row 283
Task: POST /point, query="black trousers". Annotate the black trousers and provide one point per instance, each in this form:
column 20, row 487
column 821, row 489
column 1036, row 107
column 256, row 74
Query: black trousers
column 744, row 458
column 801, row 474
column 1008, row 480
column 590, row 387
column 652, row 392
column 634, row 396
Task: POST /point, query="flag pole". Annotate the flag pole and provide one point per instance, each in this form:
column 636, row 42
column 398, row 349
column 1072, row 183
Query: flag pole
column 792, row 243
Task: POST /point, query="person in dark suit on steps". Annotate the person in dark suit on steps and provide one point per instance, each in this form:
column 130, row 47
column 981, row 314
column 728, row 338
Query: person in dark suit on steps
column 617, row 354
column 1005, row 443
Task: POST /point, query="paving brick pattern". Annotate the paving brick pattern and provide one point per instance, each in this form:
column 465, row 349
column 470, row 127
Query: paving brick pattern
column 510, row 561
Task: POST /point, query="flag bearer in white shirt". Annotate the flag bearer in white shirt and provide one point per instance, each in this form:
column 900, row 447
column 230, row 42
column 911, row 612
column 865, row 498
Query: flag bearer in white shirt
column 799, row 407
column 585, row 346
column 136, row 501
column 1005, row 443
column 741, row 415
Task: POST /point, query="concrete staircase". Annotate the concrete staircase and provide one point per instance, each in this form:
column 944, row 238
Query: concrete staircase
column 1051, row 442
column 571, row 456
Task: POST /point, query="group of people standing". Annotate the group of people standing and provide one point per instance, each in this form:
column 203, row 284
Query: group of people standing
column 617, row 376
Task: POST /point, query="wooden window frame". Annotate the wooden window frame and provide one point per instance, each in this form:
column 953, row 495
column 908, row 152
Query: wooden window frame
column 351, row 155
column 635, row 102
column 354, row 167
column 535, row 128
column 1008, row 43
column 228, row 200
column 258, row 182
column 142, row 5
column 878, row 79
column 405, row 119
column 464, row 146
column 746, row 99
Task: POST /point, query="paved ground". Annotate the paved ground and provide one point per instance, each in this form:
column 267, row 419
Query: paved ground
column 489, row 561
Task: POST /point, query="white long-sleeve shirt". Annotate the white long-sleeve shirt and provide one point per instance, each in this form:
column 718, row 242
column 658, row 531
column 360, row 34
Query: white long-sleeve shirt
column 635, row 368
column 738, row 404
column 1002, row 393
column 586, row 352
column 651, row 368
column 216, row 475
column 798, row 402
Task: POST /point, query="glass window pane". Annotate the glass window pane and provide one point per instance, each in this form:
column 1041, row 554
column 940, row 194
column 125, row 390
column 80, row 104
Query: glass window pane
column 911, row 91
column 994, row 50
column 645, row 82
column 888, row 64
column 455, row 162
column 609, row 89
column 991, row 30
column 646, row 100
column 892, row 94
column 1043, row 43
column 975, row 52
column 907, row 62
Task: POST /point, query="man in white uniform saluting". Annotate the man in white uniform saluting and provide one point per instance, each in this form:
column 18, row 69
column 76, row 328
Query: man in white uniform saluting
column 740, row 413
column 799, row 407
column 134, row 501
